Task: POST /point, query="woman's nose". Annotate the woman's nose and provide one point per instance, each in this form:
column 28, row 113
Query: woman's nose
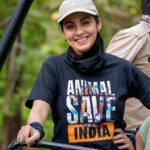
column 79, row 30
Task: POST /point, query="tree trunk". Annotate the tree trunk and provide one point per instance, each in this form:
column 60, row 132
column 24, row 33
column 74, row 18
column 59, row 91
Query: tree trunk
column 11, row 120
column 11, row 128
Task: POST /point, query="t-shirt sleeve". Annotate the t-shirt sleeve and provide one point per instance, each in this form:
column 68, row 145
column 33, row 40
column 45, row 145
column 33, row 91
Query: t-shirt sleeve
column 44, row 87
column 140, row 86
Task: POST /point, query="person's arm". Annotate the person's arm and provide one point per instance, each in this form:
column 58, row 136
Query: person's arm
column 125, row 45
column 122, row 140
column 139, row 142
column 142, row 136
column 38, row 113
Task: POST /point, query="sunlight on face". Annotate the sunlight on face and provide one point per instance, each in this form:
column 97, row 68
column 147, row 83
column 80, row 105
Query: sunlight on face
column 80, row 31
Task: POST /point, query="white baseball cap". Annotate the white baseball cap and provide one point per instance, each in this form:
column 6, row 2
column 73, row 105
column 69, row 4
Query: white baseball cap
column 68, row 7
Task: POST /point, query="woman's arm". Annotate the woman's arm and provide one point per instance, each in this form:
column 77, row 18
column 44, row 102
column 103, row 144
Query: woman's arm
column 38, row 113
column 139, row 142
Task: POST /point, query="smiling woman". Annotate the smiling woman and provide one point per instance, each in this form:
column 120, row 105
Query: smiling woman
column 85, row 87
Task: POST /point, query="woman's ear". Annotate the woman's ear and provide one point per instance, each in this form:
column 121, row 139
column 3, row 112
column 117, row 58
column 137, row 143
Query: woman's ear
column 99, row 25
column 64, row 36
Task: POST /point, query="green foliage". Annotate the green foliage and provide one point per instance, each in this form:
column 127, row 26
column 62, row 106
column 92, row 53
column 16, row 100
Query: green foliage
column 41, row 37
column 117, row 15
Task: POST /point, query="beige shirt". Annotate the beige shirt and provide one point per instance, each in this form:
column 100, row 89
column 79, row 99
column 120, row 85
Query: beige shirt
column 133, row 44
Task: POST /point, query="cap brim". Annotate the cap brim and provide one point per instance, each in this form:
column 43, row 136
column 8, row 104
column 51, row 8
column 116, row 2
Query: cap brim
column 74, row 11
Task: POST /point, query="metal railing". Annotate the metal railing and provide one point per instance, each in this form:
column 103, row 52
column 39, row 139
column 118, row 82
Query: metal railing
column 13, row 29
column 41, row 144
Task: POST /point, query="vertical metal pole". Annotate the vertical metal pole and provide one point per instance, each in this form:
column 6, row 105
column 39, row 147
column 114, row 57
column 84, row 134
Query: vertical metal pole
column 13, row 29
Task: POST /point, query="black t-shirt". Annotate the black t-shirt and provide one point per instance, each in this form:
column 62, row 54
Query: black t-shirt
column 87, row 107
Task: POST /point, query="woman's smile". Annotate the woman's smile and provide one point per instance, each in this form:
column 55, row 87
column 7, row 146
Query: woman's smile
column 82, row 40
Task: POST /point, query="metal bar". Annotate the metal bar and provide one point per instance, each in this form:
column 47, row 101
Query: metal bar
column 13, row 29
column 41, row 144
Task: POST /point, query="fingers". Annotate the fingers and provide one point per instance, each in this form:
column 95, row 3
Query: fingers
column 23, row 134
column 28, row 135
column 33, row 138
column 119, row 134
column 121, row 140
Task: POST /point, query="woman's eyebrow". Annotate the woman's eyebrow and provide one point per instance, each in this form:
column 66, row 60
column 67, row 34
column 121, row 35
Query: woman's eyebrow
column 84, row 18
column 69, row 21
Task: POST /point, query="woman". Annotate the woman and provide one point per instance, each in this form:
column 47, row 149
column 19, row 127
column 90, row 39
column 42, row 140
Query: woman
column 143, row 136
column 85, row 87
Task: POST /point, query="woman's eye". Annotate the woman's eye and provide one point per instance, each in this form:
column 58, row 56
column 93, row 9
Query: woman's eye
column 69, row 26
column 86, row 22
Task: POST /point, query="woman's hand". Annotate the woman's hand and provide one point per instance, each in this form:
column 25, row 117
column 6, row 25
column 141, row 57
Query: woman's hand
column 28, row 135
column 39, row 112
column 122, row 140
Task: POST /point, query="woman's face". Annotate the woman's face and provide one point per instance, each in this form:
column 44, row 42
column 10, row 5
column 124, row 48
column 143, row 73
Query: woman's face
column 80, row 31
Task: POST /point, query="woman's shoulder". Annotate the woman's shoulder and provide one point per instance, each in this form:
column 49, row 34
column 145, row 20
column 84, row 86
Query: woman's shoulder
column 120, row 64
column 53, row 63
column 110, row 58
column 54, row 59
column 147, row 121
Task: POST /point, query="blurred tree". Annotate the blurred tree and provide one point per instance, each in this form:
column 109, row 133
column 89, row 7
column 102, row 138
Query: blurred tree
column 11, row 99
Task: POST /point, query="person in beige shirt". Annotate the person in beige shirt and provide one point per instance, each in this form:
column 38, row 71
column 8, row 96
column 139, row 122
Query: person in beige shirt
column 133, row 44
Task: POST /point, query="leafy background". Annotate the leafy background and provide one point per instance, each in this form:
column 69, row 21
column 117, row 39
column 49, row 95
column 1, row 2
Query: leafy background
column 40, row 37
